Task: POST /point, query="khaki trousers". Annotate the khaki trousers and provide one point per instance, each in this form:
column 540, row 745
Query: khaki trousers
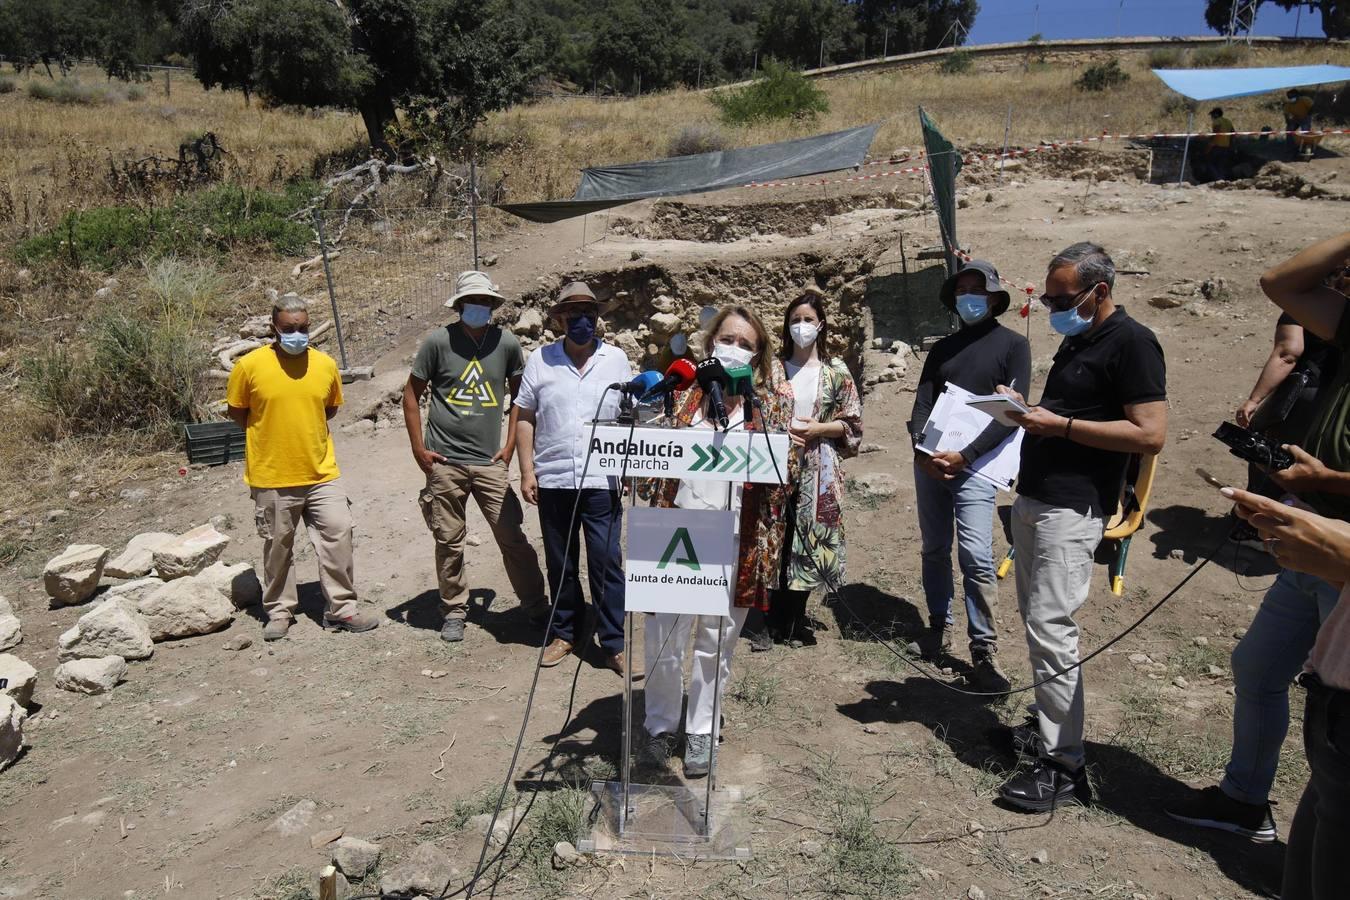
column 1055, row 547
column 443, row 503
column 326, row 513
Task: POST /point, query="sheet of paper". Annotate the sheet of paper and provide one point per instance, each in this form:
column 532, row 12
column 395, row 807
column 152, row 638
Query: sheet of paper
column 954, row 423
column 997, row 406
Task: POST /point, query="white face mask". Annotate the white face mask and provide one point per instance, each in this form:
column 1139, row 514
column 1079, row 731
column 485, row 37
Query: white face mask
column 732, row 355
column 475, row 315
column 804, row 333
column 678, row 344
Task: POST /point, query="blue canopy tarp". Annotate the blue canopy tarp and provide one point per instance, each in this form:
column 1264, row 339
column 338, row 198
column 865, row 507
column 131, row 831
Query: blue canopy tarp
column 1220, row 84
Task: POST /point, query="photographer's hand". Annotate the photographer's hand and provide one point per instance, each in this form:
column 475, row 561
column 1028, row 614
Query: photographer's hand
column 1309, row 474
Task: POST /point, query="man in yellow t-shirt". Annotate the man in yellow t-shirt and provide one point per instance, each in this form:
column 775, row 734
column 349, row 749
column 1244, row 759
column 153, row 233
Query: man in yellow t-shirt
column 283, row 395
column 1219, row 151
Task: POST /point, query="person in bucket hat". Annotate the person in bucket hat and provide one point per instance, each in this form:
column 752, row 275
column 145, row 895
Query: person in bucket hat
column 981, row 355
column 565, row 386
column 473, row 369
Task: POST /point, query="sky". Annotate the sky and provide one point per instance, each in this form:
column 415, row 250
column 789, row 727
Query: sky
column 1017, row 20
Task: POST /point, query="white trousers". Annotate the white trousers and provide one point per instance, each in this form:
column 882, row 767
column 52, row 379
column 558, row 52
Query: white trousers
column 665, row 638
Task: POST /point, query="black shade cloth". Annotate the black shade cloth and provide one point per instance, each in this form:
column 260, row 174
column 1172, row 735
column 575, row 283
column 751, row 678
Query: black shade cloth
column 943, row 165
column 607, row 186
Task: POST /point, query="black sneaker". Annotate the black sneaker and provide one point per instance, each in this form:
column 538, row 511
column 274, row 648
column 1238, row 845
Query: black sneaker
column 1044, row 786
column 1212, row 808
column 1023, row 739
column 760, row 641
column 452, row 631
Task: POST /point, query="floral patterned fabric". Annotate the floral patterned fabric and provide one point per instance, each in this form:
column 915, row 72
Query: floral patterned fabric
column 819, row 560
column 763, row 526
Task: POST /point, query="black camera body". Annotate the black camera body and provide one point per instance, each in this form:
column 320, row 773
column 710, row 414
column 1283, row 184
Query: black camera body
column 1254, row 448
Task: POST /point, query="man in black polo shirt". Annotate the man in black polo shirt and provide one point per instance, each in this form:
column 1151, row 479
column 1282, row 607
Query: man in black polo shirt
column 1105, row 398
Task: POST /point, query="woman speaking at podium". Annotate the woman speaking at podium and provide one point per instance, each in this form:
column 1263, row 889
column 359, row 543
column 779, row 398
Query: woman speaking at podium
column 737, row 338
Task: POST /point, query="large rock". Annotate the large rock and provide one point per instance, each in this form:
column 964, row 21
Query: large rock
column 113, row 628
column 239, row 582
column 73, row 576
column 138, row 559
column 664, row 324
column 355, row 857
column 11, row 630
column 17, row 679
column 90, row 676
column 186, row 607
column 133, row 592
column 11, row 730
column 190, row 552
column 530, row 324
column 425, row 871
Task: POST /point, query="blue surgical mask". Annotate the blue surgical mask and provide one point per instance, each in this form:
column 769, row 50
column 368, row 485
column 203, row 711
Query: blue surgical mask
column 581, row 329
column 1067, row 321
column 293, row 342
column 972, row 307
column 475, row 315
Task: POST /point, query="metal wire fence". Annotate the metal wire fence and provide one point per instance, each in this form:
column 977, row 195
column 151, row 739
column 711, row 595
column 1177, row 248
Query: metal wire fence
column 387, row 268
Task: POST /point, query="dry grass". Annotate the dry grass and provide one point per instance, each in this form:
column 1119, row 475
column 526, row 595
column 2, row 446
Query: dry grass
column 542, row 146
column 56, row 157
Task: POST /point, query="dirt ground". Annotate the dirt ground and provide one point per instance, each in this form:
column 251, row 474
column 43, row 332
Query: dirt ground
column 861, row 777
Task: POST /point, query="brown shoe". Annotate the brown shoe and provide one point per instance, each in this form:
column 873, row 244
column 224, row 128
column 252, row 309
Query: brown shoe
column 555, row 652
column 355, row 623
column 615, row 663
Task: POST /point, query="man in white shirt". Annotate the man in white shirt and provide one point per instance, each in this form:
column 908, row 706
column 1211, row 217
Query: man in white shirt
column 564, row 387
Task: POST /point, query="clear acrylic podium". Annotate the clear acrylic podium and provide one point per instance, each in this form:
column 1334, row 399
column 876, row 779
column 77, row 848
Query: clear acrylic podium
column 668, row 815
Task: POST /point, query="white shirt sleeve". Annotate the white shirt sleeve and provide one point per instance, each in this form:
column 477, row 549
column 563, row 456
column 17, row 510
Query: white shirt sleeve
column 527, row 398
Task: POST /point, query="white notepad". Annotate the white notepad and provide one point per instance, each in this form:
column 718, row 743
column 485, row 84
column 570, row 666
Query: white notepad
column 997, row 406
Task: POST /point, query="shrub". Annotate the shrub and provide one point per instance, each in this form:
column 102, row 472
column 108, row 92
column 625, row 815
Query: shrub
column 1175, row 104
column 958, row 62
column 135, row 92
column 1218, row 56
column 138, row 367
column 778, row 93
column 1101, row 76
column 1165, row 58
column 219, row 219
column 7, row 86
column 134, row 374
column 68, row 92
column 693, row 139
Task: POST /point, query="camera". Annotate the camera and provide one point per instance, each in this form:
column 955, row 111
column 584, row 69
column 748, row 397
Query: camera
column 1254, row 448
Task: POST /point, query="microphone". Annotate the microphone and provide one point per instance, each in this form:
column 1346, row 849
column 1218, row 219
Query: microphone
column 712, row 377
column 640, row 386
column 679, row 376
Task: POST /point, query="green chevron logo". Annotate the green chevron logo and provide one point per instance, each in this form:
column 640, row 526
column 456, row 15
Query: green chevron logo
column 710, row 458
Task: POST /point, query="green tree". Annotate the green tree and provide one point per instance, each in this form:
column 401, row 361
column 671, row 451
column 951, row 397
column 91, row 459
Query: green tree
column 642, row 43
column 446, row 62
column 806, row 32
column 907, row 26
column 1335, row 14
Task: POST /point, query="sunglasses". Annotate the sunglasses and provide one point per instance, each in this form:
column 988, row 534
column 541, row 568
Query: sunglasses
column 1061, row 302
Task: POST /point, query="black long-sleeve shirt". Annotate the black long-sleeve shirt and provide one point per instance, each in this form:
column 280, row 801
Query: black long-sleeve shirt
column 978, row 358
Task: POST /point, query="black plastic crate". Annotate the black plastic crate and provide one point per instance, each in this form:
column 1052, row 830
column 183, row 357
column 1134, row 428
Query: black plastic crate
column 214, row 443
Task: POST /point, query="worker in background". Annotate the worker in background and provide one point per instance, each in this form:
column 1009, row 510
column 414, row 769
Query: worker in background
column 1298, row 107
column 1219, row 151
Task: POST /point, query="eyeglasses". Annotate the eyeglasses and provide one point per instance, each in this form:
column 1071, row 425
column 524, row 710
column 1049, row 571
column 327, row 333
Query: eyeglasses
column 1066, row 301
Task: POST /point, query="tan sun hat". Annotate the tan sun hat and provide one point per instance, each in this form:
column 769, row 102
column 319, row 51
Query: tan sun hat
column 475, row 284
column 574, row 293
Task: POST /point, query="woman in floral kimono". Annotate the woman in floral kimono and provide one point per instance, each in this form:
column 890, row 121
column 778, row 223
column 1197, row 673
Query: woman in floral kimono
column 826, row 428
column 736, row 337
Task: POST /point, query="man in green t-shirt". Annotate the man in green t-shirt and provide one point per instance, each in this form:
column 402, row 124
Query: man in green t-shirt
column 470, row 367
